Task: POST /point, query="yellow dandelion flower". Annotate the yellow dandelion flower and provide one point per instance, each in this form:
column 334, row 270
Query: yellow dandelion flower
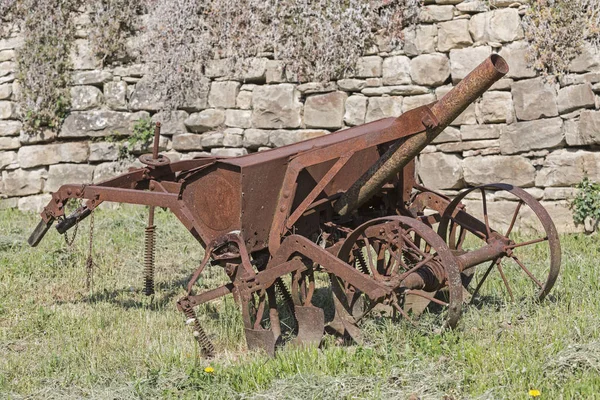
column 209, row 370
column 534, row 393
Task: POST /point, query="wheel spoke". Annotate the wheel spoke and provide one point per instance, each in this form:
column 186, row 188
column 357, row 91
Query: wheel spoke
column 485, row 214
column 510, row 292
column 533, row 278
column 487, row 272
column 404, row 313
column 514, row 218
column 416, row 267
column 432, row 299
column 514, row 246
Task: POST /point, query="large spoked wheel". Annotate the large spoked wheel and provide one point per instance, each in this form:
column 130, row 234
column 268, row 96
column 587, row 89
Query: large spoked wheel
column 389, row 250
column 531, row 263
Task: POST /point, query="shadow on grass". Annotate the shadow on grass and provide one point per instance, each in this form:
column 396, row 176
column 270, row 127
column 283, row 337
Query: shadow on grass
column 123, row 297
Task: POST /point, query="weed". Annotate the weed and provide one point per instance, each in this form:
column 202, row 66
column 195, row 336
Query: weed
column 587, row 201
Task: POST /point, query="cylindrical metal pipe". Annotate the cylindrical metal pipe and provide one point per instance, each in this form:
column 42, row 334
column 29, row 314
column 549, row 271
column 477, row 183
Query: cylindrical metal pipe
column 403, row 151
column 156, row 141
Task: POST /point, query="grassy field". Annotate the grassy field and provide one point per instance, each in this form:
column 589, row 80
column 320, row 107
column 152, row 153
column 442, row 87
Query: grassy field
column 61, row 341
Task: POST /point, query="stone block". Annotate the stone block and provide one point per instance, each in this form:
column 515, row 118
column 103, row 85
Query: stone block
column 254, row 70
column 8, row 110
column 197, row 100
column 276, row 106
column 396, row 70
column 40, row 136
column 244, row 100
column 34, row 204
column 47, row 154
column 7, row 55
column 212, row 139
column 233, row 137
column 6, row 91
column 99, row 123
column 534, row 99
column 577, row 96
column 228, row 152
column 382, row 107
column 325, row 110
column 109, row 170
column 275, row 71
column 420, row 39
column 587, row 60
column 11, row 43
column 440, row 171
column 7, row 68
column 223, row 94
column 586, row 131
column 501, row 25
column 568, row 167
column 514, row 170
column 356, row 110
column 351, row 85
column 103, row 151
column 95, row 78
column 496, row 107
column 9, row 143
column 472, row 7
column 82, row 56
column 369, row 67
column 205, row 120
column 478, row 132
column 145, row 97
column 403, row 90
column 532, row 135
column 8, row 160
column 22, row 182
column 217, row 68
column 463, row 61
column 449, row 134
column 10, row 128
column 115, row 95
column 459, row 147
column 453, row 35
column 281, row 137
column 560, row 193
column 515, row 55
column 503, row 85
column 412, row 102
column 561, row 214
column 434, row 13
column 316, row 87
column 61, row 174
column 430, row 69
column 238, row 118
column 187, row 142
column 255, row 138
column 171, row 122
column 85, row 98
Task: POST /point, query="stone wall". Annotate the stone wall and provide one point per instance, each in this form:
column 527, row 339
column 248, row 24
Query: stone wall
column 537, row 133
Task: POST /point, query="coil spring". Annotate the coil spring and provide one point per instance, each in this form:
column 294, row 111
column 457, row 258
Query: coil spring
column 205, row 344
column 362, row 263
column 149, row 260
column 287, row 297
column 433, row 275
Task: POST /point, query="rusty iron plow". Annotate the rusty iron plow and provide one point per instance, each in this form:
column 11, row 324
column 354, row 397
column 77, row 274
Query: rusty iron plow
column 339, row 214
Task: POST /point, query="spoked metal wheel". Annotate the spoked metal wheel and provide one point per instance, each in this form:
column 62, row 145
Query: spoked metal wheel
column 508, row 216
column 413, row 261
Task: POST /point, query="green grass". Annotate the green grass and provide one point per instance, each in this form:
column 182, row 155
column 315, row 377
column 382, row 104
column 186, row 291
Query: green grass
column 59, row 340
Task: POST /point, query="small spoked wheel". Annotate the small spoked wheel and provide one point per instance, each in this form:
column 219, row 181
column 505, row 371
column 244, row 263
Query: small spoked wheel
column 504, row 213
column 398, row 252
